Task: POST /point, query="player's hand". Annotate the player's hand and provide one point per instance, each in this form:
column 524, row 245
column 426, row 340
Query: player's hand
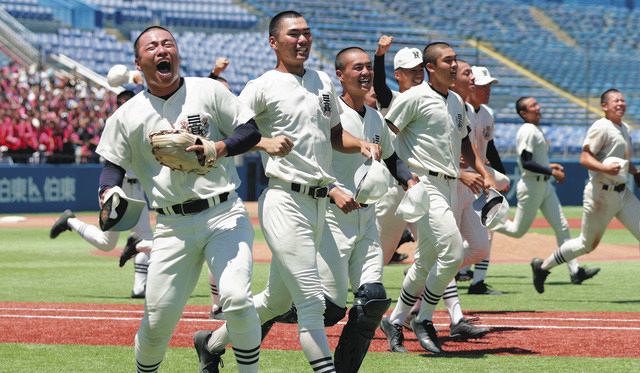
column 612, row 169
column 101, row 197
column 221, row 150
column 489, row 181
column 558, row 174
column 472, row 180
column 411, row 182
column 343, row 200
column 279, row 145
column 221, row 65
column 556, row 166
column 370, row 150
column 384, row 43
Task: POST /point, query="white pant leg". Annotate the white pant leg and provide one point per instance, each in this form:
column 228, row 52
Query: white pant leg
column 471, row 227
column 530, row 194
column 552, row 211
column 143, row 226
column 630, row 213
column 366, row 261
column 339, row 237
column 389, row 225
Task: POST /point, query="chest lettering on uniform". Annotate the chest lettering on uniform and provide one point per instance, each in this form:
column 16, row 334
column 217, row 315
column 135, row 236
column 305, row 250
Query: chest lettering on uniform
column 459, row 121
column 325, row 104
column 375, row 139
column 196, row 124
column 486, row 132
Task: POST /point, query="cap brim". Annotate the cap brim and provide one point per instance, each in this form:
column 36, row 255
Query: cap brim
column 119, row 212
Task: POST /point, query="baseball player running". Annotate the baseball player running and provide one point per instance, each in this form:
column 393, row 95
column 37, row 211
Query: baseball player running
column 350, row 254
column 200, row 217
column 138, row 243
column 535, row 190
column 606, row 193
column 302, row 105
column 482, row 128
column 431, row 125
column 409, row 72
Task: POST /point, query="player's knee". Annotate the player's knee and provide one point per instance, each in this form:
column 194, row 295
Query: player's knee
column 234, row 300
column 310, row 313
column 333, row 313
column 369, row 305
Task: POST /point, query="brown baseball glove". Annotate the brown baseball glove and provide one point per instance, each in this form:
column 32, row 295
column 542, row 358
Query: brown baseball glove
column 168, row 146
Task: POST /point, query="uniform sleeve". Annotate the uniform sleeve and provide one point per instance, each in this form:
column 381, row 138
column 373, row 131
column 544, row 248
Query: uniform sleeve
column 526, row 141
column 386, row 140
column 114, row 142
column 251, row 96
column 230, row 111
column 403, row 111
column 596, row 138
column 336, row 110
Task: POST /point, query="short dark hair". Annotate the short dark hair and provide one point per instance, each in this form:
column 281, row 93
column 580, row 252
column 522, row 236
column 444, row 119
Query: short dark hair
column 430, row 55
column 124, row 96
column 520, row 106
column 135, row 42
column 605, row 95
column 274, row 24
column 339, row 64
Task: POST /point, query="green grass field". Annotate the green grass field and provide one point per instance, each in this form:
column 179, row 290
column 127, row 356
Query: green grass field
column 34, row 268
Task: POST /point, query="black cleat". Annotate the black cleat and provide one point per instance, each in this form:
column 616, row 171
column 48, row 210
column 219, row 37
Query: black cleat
column 398, row 257
column 138, row 295
column 427, row 335
column 209, row 361
column 539, row 275
column 483, row 289
column 583, row 274
column 129, row 249
column 464, row 275
column 394, row 335
column 407, row 236
column 464, row 329
column 61, row 224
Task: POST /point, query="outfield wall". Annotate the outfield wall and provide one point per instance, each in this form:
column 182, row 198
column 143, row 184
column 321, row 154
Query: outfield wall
column 54, row 188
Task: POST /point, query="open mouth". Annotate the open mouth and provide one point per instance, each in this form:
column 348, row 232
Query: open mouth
column 164, row 67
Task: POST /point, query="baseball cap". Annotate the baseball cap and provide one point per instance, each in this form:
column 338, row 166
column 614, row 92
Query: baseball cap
column 371, row 180
column 492, row 208
column 407, row 58
column 415, row 203
column 621, row 176
column 119, row 212
column 482, row 75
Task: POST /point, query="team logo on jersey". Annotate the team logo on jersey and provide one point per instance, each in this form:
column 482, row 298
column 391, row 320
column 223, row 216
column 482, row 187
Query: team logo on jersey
column 459, row 121
column 325, row 104
column 487, row 133
column 195, row 124
column 375, row 139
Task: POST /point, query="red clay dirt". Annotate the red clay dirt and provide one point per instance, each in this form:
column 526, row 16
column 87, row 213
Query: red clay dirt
column 512, row 333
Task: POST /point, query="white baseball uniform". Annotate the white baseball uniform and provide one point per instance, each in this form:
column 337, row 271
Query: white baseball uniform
column 432, row 127
column 200, row 217
column 350, row 254
column 535, row 191
column 604, row 199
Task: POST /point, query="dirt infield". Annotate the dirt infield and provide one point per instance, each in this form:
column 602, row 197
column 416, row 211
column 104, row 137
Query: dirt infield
column 512, row 333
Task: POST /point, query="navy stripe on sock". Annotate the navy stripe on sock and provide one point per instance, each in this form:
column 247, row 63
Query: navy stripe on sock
column 141, row 368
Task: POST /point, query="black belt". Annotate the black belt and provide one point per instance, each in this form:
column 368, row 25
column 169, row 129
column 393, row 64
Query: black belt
column 192, row 207
column 361, row 204
column 543, row 177
column 437, row 174
column 131, row 181
column 313, row 191
column 617, row 188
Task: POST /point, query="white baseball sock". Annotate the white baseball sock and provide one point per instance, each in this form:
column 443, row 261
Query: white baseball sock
column 452, row 302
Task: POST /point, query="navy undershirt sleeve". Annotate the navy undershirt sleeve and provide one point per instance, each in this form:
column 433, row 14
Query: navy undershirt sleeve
column 244, row 137
column 529, row 164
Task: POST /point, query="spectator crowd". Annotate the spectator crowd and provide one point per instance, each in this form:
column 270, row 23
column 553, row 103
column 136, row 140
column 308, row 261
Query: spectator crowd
column 50, row 118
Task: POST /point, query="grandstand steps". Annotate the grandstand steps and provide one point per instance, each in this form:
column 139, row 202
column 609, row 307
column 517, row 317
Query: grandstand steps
column 546, row 22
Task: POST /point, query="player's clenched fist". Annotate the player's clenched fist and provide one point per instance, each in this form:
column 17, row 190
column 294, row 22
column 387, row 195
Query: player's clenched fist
column 279, row 145
column 384, row 43
column 343, row 200
column 370, row 150
column 557, row 171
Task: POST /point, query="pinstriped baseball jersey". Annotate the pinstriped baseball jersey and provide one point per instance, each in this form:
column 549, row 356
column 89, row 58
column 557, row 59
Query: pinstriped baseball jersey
column 303, row 109
column 531, row 138
column 371, row 128
column 607, row 139
column 423, row 142
column 201, row 106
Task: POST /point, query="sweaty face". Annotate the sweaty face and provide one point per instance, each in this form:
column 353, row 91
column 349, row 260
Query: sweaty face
column 357, row 76
column 482, row 93
column 159, row 61
column 408, row 78
column 615, row 107
column 292, row 44
column 464, row 83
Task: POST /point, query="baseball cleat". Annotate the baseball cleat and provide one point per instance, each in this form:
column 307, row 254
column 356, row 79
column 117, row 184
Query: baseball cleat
column 398, row 257
column 464, row 275
column 209, row 361
column 583, row 274
column 129, row 249
column 427, row 335
column 483, row 289
column 216, row 314
column 539, row 275
column 135, row 295
column 61, row 224
column 464, row 329
column 394, row 335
